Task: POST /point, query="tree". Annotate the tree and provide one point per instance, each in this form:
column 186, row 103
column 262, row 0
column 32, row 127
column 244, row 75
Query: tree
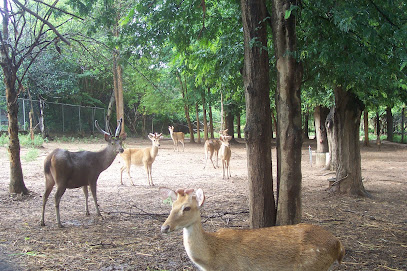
column 258, row 115
column 288, row 102
column 22, row 40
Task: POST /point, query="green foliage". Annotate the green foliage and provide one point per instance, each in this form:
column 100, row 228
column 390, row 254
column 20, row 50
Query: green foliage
column 31, row 155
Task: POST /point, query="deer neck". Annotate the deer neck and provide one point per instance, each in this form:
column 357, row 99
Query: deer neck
column 105, row 157
column 153, row 151
column 196, row 245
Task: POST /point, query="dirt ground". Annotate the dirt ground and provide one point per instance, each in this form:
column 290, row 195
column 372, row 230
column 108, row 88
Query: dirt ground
column 373, row 230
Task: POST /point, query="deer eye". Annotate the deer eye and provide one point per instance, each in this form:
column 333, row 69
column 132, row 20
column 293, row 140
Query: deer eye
column 187, row 208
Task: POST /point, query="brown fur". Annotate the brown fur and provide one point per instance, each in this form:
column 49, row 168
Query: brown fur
column 282, row 248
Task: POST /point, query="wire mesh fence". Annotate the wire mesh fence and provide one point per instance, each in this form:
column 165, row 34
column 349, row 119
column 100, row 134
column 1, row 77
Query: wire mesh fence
column 59, row 118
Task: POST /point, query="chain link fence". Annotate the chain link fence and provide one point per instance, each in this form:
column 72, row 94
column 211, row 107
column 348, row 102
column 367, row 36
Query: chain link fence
column 59, row 119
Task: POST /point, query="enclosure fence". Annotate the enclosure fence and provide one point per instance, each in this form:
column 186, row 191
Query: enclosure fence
column 59, row 118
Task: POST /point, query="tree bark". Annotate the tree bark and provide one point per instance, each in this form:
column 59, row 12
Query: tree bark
column 366, row 126
column 184, row 92
column 348, row 110
column 320, row 114
column 198, row 125
column 205, row 120
column 118, row 89
column 402, row 124
column 17, row 184
column 332, row 144
column 288, row 102
column 239, row 134
column 257, row 130
column 389, row 120
column 210, row 116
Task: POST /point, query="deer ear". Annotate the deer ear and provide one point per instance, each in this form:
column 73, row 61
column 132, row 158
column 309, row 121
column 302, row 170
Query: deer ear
column 166, row 193
column 107, row 137
column 200, row 197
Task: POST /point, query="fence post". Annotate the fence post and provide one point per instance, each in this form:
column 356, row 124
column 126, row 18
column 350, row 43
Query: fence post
column 63, row 119
column 79, row 115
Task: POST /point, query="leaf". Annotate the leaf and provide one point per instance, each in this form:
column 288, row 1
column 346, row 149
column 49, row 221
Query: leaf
column 288, row 11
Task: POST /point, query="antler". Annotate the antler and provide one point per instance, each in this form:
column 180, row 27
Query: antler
column 100, row 129
column 119, row 127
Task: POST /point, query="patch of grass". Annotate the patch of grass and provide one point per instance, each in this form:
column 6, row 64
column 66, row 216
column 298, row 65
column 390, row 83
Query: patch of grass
column 25, row 140
column 31, row 155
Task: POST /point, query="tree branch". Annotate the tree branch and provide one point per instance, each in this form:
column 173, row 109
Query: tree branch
column 43, row 21
column 63, row 11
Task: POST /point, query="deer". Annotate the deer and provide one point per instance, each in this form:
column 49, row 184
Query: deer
column 225, row 153
column 140, row 157
column 70, row 170
column 212, row 146
column 301, row 247
column 177, row 136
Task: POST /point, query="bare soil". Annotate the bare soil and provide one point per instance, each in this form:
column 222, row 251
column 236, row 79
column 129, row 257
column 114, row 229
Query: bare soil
column 127, row 237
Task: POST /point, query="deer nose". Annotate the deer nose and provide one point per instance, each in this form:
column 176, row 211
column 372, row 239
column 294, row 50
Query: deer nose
column 165, row 228
column 121, row 150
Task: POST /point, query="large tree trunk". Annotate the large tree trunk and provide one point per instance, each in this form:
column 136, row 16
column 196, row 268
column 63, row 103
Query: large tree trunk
column 17, row 184
column 288, row 102
column 306, row 126
column 320, row 114
column 118, row 89
column 389, row 120
column 257, row 130
column 348, row 110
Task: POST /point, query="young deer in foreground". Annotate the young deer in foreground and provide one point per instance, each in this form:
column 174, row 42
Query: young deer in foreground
column 299, row 247
column 79, row 169
column 225, row 153
column 212, row 146
column 140, row 157
column 177, row 136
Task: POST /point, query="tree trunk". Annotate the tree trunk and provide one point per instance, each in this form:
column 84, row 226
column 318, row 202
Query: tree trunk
column 17, row 184
column 348, row 110
column 239, row 134
column 320, row 114
column 205, row 120
column 402, row 124
column 288, row 102
column 306, row 126
column 257, row 130
column 184, row 91
column 389, row 119
column 118, row 89
column 366, row 126
column 198, row 125
column 229, row 122
column 332, row 144
column 210, row 116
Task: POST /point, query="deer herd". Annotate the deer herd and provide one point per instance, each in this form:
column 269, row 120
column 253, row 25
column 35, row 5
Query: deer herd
column 294, row 247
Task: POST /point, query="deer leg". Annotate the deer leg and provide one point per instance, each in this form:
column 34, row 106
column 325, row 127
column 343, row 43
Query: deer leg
column 128, row 172
column 151, row 177
column 212, row 160
column 121, row 174
column 85, row 191
column 49, row 185
column 183, row 146
column 93, row 190
column 58, row 195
